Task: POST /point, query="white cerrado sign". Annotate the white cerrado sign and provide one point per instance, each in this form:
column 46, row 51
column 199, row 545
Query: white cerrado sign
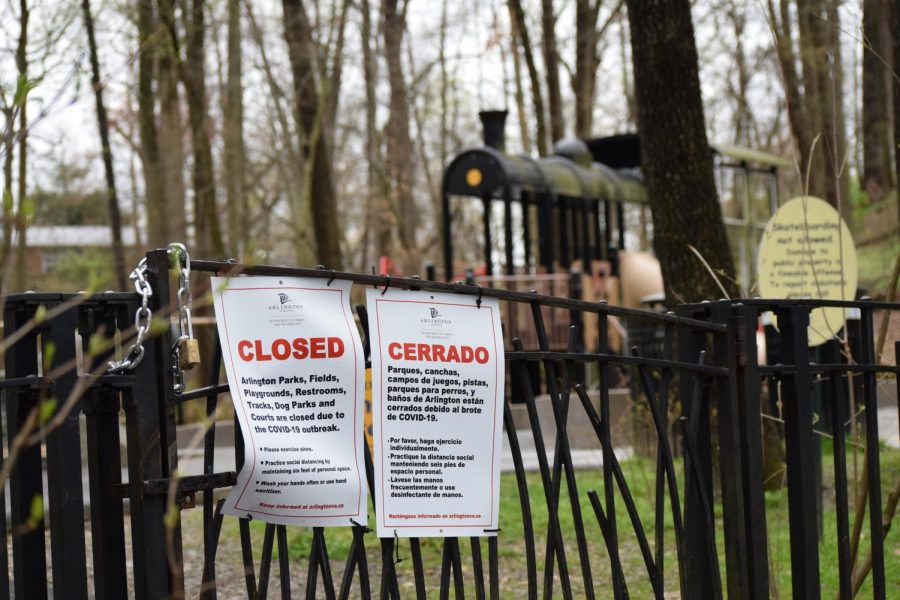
column 295, row 367
column 437, row 402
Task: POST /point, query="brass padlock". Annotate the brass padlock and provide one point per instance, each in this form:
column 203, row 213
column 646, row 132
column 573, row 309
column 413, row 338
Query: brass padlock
column 188, row 353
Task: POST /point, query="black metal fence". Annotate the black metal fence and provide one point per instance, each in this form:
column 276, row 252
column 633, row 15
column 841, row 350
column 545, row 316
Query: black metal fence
column 704, row 534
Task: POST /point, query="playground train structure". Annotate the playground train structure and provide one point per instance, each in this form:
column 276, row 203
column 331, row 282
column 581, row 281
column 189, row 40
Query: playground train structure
column 561, row 220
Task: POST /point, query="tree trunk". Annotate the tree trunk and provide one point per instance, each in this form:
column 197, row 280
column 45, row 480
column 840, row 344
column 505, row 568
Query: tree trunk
column 677, row 163
column 9, row 213
column 551, row 61
column 895, row 37
column 22, row 214
column 157, row 219
column 234, row 137
column 193, row 76
column 314, row 136
column 400, row 163
column 291, row 164
column 115, row 217
column 520, row 88
column 583, row 81
column 800, row 120
column 877, row 131
column 518, row 16
column 171, row 133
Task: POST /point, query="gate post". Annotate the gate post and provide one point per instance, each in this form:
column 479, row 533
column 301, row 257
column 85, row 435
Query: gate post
column 744, row 395
column 152, row 450
column 698, row 580
column 793, row 320
column 25, row 486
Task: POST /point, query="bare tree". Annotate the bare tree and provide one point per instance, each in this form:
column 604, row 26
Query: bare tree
column 877, row 138
column 157, row 219
column 551, row 63
column 193, row 76
column 312, row 98
column 676, row 161
column 400, row 164
column 234, row 136
column 170, row 130
column 115, row 216
column 517, row 15
column 19, row 268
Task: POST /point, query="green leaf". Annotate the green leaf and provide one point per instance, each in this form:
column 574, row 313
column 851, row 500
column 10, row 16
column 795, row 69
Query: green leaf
column 40, row 314
column 48, row 355
column 36, row 512
column 46, row 410
column 97, row 343
column 7, row 201
column 23, row 88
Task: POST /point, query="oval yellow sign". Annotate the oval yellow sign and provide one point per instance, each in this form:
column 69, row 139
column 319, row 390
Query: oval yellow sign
column 807, row 252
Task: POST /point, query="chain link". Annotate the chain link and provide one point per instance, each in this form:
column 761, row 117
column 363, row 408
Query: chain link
column 183, row 301
column 142, row 320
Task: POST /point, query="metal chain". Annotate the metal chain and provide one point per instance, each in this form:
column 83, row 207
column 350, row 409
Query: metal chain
column 183, row 301
column 142, row 318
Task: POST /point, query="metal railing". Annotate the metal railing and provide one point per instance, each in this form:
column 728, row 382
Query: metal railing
column 707, row 377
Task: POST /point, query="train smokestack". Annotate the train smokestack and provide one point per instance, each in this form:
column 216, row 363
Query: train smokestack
column 493, row 122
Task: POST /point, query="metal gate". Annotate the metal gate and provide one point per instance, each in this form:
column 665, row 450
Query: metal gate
column 702, row 534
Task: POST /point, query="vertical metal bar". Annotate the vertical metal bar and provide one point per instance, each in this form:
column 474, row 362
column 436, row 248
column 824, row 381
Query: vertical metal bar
column 620, row 218
column 312, row 569
column 265, row 562
column 63, row 446
column 448, row 235
column 595, row 226
column 4, row 529
column 415, row 549
column 25, row 485
column 585, row 237
column 284, row 565
column 552, row 506
column 563, row 235
column 456, row 564
column 477, row 568
column 244, row 524
column 793, row 321
column 526, row 229
column 609, row 493
column 563, row 456
column 324, row 563
column 207, row 581
column 654, row 570
column 831, row 354
column 508, row 231
column 699, row 576
column 488, row 245
column 493, row 568
column 545, row 230
column 873, row 462
column 101, row 409
column 524, row 502
column 745, row 371
column 158, row 277
column 445, row 571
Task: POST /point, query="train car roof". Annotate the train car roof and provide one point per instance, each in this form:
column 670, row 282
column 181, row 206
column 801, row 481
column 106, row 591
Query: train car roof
column 487, row 172
column 624, row 151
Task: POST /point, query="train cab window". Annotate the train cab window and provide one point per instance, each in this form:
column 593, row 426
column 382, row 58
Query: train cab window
column 732, row 188
column 762, row 197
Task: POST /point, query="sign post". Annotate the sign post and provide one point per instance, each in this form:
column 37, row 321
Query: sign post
column 437, row 399
column 295, row 367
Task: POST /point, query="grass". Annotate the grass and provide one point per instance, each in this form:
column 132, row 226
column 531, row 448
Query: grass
column 640, row 474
